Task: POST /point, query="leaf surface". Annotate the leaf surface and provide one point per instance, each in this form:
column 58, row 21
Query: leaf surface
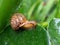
column 37, row 36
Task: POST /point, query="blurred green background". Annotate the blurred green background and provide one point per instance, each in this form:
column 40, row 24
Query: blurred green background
column 45, row 12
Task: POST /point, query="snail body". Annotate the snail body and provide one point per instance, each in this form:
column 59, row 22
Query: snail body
column 29, row 24
column 18, row 20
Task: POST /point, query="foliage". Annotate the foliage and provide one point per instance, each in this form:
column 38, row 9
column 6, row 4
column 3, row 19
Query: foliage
column 47, row 15
column 54, row 31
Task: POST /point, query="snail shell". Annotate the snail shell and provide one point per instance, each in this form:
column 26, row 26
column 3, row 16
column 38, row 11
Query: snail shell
column 16, row 20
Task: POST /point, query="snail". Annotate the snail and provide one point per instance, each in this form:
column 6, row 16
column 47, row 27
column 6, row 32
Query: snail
column 18, row 20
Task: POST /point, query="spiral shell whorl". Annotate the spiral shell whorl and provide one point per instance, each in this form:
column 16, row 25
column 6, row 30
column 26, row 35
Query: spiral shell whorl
column 16, row 20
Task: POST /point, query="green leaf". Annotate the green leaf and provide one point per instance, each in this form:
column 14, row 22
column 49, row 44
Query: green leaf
column 37, row 36
column 46, row 9
column 25, row 6
column 32, row 9
column 58, row 9
column 52, row 15
column 7, row 7
column 38, row 11
column 54, row 31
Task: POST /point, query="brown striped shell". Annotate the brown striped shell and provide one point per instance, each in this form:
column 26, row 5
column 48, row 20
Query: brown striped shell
column 16, row 20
